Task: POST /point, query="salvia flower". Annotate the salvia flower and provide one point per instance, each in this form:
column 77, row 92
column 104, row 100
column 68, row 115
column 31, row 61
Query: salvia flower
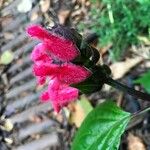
column 70, row 63
column 55, row 58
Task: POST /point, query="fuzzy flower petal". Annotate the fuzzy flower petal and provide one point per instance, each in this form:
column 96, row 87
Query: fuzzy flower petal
column 67, row 73
column 39, row 53
column 63, row 48
column 45, row 96
column 41, row 80
column 45, row 69
column 38, row 32
column 60, row 94
column 71, row 74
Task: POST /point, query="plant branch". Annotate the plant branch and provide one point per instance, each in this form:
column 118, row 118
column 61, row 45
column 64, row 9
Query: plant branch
column 141, row 112
column 126, row 89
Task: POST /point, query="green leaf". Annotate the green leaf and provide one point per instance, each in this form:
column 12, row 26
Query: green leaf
column 102, row 128
column 95, row 82
column 144, row 80
column 88, row 86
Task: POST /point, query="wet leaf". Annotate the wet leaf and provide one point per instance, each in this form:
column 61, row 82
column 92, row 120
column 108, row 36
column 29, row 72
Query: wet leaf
column 102, row 128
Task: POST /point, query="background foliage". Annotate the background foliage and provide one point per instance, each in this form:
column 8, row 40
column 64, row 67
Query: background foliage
column 119, row 23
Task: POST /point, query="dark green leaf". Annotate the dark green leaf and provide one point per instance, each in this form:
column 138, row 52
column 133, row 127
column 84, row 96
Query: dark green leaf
column 88, row 86
column 102, row 128
column 95, row 82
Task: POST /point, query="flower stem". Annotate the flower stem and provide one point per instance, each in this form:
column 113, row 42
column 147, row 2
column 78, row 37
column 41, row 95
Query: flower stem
column 126, row 89
column 141, row 112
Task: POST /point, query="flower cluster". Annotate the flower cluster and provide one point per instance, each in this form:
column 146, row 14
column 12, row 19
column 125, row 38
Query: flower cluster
column 53, row 58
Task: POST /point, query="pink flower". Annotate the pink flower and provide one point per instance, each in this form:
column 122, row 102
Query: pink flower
column 59, row 94
column 67, row 73
column 58, row 46
column 52, row 58
column 39, row 53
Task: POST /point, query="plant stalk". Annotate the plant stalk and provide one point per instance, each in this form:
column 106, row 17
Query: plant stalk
column 141, row 112
column 126, row 89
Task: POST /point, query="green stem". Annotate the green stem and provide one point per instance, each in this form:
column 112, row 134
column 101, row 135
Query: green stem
column 126, row 89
